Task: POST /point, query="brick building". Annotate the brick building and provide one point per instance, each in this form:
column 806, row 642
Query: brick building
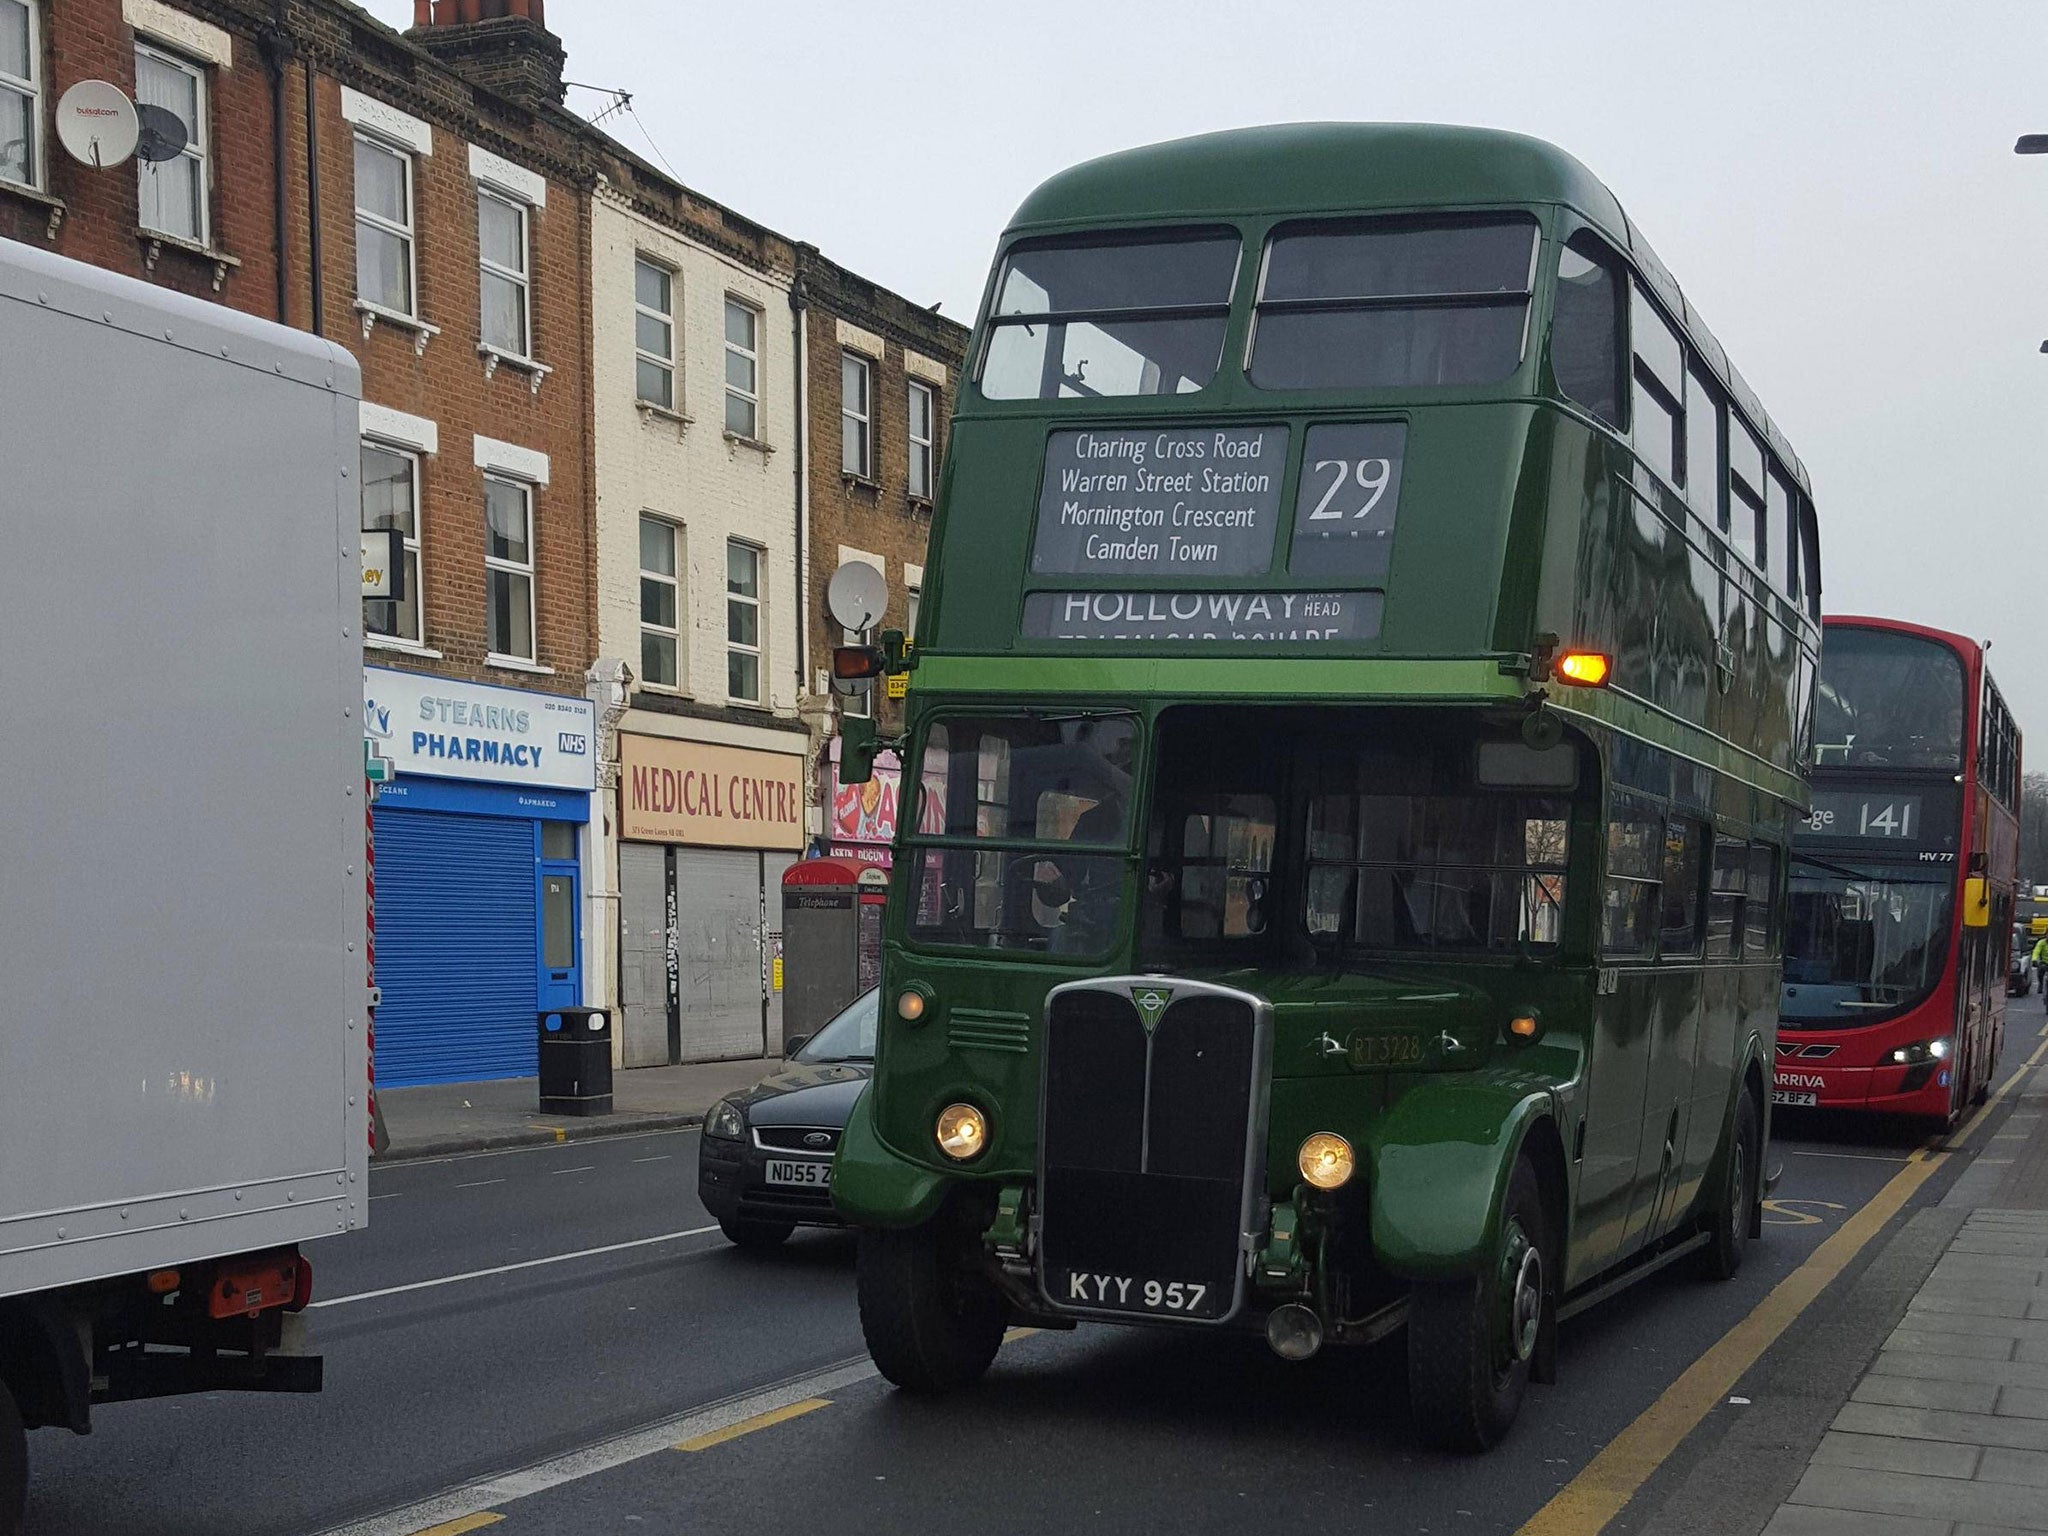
column 423, row 199
column 626, row 436
column 883, row 374
column 698, row 444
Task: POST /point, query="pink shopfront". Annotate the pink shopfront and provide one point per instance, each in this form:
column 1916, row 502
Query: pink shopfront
column 860, row 819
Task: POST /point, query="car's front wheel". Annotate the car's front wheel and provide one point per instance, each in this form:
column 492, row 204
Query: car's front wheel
column 931, row 1324
column 756, row 1236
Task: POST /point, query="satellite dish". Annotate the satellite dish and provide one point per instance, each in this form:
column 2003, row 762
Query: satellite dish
column 857, row 596
column 161, row 133
column 96, row 123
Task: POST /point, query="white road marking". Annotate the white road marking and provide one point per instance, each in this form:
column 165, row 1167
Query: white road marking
column 507, row 1269
column 392, row 1196
column 492, row 1492
column 557, row 1172
column 479, row 1183
column 1860, row 1157
column 659, row 1157
column 581, row 1145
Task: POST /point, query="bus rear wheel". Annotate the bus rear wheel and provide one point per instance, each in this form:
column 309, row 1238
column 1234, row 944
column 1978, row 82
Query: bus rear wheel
column 931, row 1325
column 1728, row 1237
column 1471, row 1343
column 13, row 1465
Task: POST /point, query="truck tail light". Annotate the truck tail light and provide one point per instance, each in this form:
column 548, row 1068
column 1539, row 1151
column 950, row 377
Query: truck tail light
column 244, row 1287
column 302, row 1286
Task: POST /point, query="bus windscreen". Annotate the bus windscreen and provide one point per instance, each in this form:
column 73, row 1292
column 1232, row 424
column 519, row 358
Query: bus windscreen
column 1391, row 303
column 1089, row 319
column 1864, row 942
column 1888, row 700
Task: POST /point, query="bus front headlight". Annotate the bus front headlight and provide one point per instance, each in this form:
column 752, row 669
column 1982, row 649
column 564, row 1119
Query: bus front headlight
column 1326, row 1160
column 1922, row 1050
column 962, row 1132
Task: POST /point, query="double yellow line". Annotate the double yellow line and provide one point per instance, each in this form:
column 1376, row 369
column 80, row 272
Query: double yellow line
column 1585, row 1505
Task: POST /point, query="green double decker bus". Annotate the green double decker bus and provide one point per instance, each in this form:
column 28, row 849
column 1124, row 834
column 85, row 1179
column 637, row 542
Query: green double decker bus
column 1353, row 735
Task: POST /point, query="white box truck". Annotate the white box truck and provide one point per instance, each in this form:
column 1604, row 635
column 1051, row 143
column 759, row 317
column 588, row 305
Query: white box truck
column 184, row 1057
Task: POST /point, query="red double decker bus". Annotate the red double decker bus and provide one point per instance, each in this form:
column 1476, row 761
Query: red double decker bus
column 1903, row 878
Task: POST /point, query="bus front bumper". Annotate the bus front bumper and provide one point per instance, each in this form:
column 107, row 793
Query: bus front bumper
column 1890, row 1090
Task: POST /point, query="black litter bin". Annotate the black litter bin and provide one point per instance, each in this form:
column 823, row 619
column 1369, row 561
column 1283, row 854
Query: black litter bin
column 576, row 1061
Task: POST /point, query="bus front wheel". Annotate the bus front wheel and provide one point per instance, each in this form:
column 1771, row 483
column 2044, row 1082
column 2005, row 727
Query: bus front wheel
column 1471, row 1342
column 931, row 1324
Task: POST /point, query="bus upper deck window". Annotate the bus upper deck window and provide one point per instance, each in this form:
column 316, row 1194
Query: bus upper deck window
column 1585, row 329
column 1393, row 302
column 1657, row 402
column 1092, row 318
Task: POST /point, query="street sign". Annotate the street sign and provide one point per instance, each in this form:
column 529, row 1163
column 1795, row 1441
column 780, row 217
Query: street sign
column 384, row 564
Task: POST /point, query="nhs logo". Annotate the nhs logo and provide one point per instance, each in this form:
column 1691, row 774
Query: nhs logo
column 570, row 744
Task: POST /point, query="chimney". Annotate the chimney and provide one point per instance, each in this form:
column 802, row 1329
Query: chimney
column 500, row 45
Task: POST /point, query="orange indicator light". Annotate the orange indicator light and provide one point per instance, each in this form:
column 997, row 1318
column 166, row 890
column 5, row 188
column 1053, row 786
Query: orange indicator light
column 1583, row 669
column 1523, row 1026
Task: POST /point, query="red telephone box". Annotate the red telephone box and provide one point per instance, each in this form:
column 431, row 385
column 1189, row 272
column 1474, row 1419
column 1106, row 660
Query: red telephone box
column 825, row 950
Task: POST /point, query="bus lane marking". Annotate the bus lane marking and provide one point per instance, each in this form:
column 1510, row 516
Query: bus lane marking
column 1782, row 1213
column 463, row 1526
column 1603, row 1487
column 1585, row 1505
column 773, row 1416
column 490, row 1493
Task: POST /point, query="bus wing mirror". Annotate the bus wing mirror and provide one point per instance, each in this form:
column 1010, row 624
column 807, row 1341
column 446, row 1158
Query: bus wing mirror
column 1976, row 902
column 858, row 745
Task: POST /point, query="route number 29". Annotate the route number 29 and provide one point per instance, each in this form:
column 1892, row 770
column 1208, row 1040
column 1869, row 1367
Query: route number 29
column 1371, row 475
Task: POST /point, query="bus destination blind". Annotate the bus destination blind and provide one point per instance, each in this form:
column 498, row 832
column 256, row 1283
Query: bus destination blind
column 1188, row 501
column 1882, row 815
column 1295, row 619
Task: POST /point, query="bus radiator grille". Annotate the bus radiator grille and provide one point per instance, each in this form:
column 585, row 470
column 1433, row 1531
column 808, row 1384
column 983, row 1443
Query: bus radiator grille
column 1142, row 1159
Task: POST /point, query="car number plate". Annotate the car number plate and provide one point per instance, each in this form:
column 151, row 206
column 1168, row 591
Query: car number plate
column 1797, row 1100
column 1128, row 1293
column 809, row 1175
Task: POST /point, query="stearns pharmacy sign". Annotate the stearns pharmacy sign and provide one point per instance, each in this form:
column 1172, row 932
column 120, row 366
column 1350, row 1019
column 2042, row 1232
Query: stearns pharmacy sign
column 445, row 729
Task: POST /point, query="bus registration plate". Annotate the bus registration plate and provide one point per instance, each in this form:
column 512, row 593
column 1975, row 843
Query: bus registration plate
column 1126, row 1293
column 1794, row 1098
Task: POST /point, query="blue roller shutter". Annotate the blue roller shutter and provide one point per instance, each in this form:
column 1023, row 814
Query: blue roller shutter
column 456, row 948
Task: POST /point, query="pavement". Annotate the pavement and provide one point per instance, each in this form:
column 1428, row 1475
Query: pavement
column 443, row 1119
column 1946, row 1432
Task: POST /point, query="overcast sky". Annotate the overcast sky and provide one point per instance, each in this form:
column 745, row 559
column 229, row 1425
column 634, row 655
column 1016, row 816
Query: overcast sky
column 1832, row 182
